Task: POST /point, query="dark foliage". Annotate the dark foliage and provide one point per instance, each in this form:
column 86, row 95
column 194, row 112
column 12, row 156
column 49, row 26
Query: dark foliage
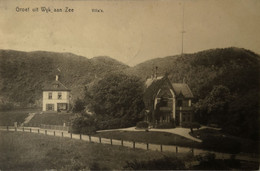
column 84, row 125
column 24, row 74
column 79, row 106
column 116, row 101
column 142, row 125
column 190, row 125
column 166, row 163
column 209, row 162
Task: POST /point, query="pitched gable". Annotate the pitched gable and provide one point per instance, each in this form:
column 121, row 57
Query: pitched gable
column 182, row 89
column 55, row 86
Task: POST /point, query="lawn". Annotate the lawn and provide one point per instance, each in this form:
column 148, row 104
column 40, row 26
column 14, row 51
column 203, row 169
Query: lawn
column 150, row 137
column 9, row 117
column 219, row 141
column 50, row 119
column 212, row 140
column 25, row 151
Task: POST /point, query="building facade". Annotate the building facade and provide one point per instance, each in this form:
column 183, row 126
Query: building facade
column 56, row 97
column 166, row 101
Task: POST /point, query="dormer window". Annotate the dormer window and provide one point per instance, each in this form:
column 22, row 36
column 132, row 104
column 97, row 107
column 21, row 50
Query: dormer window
column 50, row 96
column 179, row 103
column 59, row 95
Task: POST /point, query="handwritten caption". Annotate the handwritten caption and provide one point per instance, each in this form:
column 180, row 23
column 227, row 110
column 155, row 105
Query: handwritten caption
column 44, row 9
column 51, row 10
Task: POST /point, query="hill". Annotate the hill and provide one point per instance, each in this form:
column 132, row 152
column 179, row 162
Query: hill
column 234, row 67
column 24, row 74
column 231, row 72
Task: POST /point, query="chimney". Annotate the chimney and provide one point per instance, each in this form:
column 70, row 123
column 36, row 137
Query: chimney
column 57, row 77
column 156, row 68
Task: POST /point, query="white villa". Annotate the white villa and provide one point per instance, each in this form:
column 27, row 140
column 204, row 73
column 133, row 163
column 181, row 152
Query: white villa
column 56, row 97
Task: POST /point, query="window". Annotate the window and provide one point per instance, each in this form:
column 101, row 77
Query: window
column 59, row 95
column 179, row 103
column 50, row 107
column 50, row 96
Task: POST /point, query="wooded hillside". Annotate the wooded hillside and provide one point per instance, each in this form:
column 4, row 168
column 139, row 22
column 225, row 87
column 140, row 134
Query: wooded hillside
column 24, row 74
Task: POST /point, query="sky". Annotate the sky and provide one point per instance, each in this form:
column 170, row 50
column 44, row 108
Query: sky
column 130, row 31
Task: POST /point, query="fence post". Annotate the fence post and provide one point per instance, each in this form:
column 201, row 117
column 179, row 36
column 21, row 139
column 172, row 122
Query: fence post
column 61, row 134
column 23, row 129
column 147, row 146
column 133, row 145
column 80, row 136
column 7, row 128
column 30, row 129
column 45, row 132
column 54, row 133
column 99, row 139
column 176, row 149
column 122, row 142
column 70, row 135
column 38, row 131
column 15, row 129
column 161, row 147
column 89, row 137
column 111, row 141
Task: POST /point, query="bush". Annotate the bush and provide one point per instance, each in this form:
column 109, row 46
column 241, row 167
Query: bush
column 79, row 106
column 166, row 163
column 190, row 125
column 109, row 124
column 224, row 144
column 84, row 125
column 142, row 125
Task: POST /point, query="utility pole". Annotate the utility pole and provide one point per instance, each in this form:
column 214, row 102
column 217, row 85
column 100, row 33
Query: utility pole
column 183, row 31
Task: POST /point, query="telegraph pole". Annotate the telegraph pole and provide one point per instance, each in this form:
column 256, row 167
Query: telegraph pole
column 183, row 31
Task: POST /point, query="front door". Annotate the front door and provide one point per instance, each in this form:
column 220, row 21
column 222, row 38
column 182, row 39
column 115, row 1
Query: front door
column 62, row 106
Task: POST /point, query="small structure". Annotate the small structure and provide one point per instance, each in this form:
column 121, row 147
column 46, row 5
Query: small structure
column 166, row 101
column 56, row 97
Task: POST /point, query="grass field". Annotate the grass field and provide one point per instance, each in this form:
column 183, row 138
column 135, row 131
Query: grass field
column 149, row 137
column 9, row 117
column 217, row 140
column 25, row 151
column 212, row 140
column 50, row 119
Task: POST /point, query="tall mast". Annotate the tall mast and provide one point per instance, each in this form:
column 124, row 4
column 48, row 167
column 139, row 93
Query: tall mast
column 183, row 31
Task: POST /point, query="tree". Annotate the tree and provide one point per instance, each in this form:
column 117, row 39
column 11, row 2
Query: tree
column 79, row 106
column 214, row 107
column 117, row 96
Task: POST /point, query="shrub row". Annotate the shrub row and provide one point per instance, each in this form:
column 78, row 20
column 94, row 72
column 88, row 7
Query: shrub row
column 142, row 125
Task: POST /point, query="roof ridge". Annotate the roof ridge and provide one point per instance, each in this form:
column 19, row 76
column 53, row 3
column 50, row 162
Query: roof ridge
column 62, row 84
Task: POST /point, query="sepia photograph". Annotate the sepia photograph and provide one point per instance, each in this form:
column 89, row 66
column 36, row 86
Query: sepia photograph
column 129, row 85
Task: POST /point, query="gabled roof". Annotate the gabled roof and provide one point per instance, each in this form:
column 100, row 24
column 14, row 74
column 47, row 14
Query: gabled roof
column 56, row 86
column 153, row 85
column 182, row 88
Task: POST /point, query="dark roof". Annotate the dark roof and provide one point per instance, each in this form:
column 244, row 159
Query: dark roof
column 153, row 85
column 182, row 88
column 56, row 86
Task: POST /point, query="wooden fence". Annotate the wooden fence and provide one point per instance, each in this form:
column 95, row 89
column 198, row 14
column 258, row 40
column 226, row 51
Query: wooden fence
column 132, row 144
column 55, row 127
